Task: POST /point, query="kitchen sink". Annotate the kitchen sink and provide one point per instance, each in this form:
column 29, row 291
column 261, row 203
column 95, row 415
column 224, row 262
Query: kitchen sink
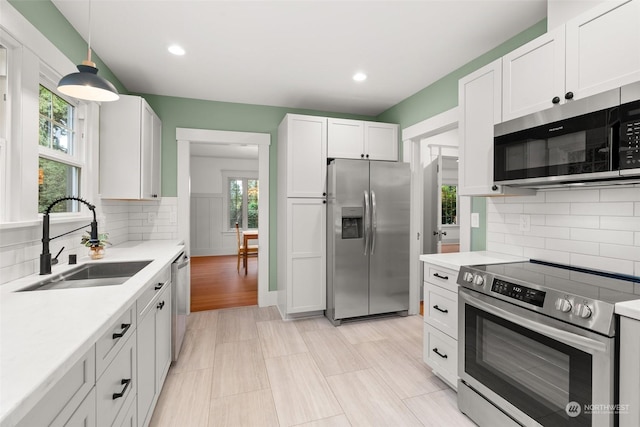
column 90, row 275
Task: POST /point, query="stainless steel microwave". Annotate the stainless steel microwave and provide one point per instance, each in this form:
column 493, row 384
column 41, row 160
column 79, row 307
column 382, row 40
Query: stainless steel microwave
column 594, row 139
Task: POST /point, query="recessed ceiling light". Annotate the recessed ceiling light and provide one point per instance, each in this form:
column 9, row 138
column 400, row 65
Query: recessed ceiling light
column 359, row 77
column 176, row 50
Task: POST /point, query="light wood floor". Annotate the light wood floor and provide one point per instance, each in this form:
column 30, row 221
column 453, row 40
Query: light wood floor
column 216, row 283
column 247, row 367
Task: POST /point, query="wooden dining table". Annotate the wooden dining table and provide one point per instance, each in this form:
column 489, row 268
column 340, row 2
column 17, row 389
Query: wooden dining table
column 246, row 236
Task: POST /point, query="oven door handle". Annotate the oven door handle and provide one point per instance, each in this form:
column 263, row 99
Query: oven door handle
column 583, row 343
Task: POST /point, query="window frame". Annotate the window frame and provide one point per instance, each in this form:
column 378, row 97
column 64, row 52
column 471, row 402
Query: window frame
column 226, row 177
column 31, row 58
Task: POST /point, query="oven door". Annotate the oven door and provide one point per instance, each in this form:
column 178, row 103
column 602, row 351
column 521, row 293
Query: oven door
column 535, row 369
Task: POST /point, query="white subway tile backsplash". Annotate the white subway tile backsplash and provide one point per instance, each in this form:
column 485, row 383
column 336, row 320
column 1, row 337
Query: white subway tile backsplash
column 547, row 208
column 544, row 231
column 578, row 221
column 620, row 223
column 565, row 195
column 547, row 255
column 603, row 236
column 602, row 263
column 505, row 249
column 620, row 251
column 592, row 228
column 603, row 208
column 620, row 194
column 574, row 246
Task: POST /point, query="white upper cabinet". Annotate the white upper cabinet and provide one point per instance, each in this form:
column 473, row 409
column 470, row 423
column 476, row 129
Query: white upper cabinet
column 533, row 75
column 592, row 53
column 130, row 150
column 479, row 101
column 355, row 139
column 603, row 48
column 304, row 152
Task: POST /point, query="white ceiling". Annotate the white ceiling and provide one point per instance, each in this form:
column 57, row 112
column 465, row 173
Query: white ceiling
column 230, row 151
column 297, row 53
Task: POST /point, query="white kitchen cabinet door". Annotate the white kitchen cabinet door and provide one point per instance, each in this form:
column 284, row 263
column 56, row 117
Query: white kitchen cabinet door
column 130, row 144
column 533, row 76
column 345, row 139
column 603, row 48
column 154, row 350
column 480, row 108
column 306, row 255
column 306, row 165
column 381, row 141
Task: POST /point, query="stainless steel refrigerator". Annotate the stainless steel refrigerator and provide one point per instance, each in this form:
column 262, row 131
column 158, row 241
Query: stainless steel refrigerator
column 367, row 238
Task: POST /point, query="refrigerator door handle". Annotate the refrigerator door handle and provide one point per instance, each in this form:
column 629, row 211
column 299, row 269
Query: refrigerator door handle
column 374, row 221
column 366, row 221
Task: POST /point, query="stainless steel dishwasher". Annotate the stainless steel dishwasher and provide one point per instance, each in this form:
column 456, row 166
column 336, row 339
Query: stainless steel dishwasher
column 181, row 301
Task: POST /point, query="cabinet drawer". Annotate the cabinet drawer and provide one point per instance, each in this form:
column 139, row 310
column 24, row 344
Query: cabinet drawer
column 59, row 404
column 442, row 277
column 441, row 309
column 152, row 289
column 441, row 354
column 117, row 386
column 112, row 341
column 84, row 416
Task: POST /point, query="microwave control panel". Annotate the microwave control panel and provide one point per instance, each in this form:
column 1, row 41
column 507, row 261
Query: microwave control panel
column 630, row 136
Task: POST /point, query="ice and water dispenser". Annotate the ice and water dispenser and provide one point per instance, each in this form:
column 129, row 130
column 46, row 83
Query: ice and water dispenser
column 352, row 225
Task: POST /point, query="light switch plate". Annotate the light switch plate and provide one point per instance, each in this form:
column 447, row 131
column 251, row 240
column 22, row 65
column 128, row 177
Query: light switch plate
column 475, row 220
column 525, row 222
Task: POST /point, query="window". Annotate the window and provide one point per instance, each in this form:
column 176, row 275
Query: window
column 243, row 202
column 449, row 204
column 59, row 169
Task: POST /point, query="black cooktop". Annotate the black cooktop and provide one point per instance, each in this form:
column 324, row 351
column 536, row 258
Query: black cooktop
column 593, row 284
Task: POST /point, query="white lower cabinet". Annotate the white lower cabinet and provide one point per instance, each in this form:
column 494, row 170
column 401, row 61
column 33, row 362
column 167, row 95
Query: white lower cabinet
column 440, row 343
column 85, row 414
column 68, row 396
column 116, row 388
column 154, row 350
column 629, row 372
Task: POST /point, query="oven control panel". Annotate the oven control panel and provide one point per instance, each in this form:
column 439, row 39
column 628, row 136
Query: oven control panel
column 522, row 293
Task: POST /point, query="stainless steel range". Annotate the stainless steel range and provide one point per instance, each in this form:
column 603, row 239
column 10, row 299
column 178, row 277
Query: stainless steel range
column 537, row 344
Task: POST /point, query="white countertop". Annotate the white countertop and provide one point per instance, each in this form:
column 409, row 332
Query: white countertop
column 629, row 309
column 44, row 333
column 455, row 260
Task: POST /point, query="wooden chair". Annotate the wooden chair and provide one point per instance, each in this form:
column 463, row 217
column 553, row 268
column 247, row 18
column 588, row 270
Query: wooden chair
column 251, row 249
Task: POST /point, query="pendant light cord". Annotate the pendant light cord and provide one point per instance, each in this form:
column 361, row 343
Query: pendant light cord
column 89, row 41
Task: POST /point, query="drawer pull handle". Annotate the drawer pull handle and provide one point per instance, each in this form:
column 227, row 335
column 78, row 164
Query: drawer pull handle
column 159, row 286
column 126, row 383
column 440, row 309
column 441, row 277
column 160, row 305
column 435, row 350
column 125, row 327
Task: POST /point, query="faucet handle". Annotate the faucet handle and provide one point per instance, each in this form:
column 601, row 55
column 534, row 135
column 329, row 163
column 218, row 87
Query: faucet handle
column 54, row 261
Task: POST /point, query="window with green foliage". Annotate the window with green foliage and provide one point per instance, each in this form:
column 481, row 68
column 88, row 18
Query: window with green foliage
column 58, row 168
column 449, row 204
column 243, row 202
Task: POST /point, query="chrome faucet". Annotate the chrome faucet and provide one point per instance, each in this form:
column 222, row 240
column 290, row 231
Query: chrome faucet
column 45, row 256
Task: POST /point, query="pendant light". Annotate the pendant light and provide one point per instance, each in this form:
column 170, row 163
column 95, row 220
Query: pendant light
column 86, row 83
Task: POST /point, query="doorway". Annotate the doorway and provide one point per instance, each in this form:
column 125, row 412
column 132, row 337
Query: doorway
column 185, row 138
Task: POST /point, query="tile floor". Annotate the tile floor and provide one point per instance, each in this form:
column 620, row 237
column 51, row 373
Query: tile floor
column 247, row 367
